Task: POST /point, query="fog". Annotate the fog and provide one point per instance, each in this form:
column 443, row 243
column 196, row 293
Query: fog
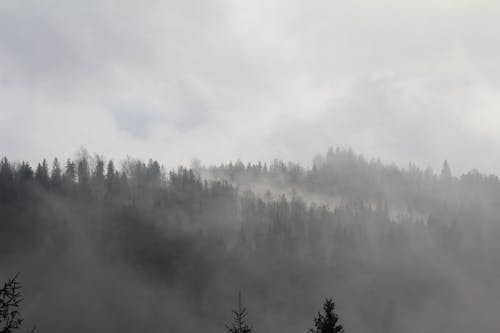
column 404, row 81
column 294, row 153
column 138, row 247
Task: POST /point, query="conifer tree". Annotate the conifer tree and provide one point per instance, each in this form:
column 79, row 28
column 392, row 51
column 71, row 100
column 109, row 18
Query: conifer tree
column 98, row 177
column 239, row 324
column 25, row 173
column 111, row 177
column 70, row 173
column 83, row 174
column 446, row 171
column 10, row 300
column 56, row 175
column 42, row 174
column 7, row 188
column 327, row 322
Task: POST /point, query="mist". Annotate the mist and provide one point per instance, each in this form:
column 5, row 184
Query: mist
column 140, row 248
column 273, row 166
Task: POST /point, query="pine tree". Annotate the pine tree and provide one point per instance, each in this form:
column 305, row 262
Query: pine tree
column 111, row 178
column 10, row 299
column 98, row 178
column 42, row 174
column 70, row 173
column 56, row 175
column 83, row 174
column 239, row 324
column 98, row 174
column 25, row 173
column 446, row 171
column 327, row 322
column 7, row 188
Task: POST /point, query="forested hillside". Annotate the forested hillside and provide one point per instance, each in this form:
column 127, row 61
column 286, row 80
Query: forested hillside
column 131, row 247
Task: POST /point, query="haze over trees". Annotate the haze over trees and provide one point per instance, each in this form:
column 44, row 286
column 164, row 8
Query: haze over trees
column 111, row 247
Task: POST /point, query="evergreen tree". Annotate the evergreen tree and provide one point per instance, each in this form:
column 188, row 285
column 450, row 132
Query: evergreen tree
column 111, row 177
column 10, row 299
column 239, row 324
column 25, row 173
column 327, row 322
column 6, row 170
column 446, row 171
column 56, row 175
column 153, row 173
column 83, row 174
column 7, row 189
column 98, row 178
column 70, row 172
column 42, row 174
column 98, row 174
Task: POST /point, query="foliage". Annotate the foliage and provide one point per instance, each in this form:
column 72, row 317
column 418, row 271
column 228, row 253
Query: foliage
column 239, row 324
column 10, row 300
column 326, row 322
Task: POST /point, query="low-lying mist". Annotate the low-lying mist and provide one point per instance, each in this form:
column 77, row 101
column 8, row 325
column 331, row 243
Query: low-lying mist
column 136, row 248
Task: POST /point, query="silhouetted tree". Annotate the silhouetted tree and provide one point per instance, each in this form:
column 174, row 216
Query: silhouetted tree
column 70, row 172
column 10, row 300
column 111, row 177
column 56, row 175
column 445, row 171
column 83, row 174
column 327, row 322
column 98, row 178
column 6, row 180
column 239, row 324
column 98, row 174
column 42, row 174
column 25, row 173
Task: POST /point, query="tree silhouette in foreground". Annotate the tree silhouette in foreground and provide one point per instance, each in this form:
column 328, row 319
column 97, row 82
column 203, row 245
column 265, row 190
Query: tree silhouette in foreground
column 327, row 322
column 10, row 299
column 239, row 324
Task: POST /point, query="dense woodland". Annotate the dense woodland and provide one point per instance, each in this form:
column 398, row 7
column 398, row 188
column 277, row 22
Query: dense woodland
column 131, row 247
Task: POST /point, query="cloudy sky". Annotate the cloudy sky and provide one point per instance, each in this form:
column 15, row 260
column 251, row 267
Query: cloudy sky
column 219, row 80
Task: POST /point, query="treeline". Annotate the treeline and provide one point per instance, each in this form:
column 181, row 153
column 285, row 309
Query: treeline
column 184, row 240
column 344, row 174
column 92, row 177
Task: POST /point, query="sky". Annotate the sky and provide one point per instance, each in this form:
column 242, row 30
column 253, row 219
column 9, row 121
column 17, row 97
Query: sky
column 220, row 80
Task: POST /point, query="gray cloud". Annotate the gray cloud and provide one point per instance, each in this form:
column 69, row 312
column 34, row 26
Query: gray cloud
column 173, row 80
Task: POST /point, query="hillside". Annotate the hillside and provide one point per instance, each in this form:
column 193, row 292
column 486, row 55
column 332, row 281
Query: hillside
column 138, row 248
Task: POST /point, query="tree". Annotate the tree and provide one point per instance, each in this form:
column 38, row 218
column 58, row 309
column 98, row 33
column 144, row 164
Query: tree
column 327, row 322
column 446, row 171
column 42, row 174
column 7, row 188
column 98, row 178
column 56, row 175
column 83, row 174
column 10, row 300
column 6, row 170
column 98, row 174
column 25, row 173
column 153, row 174
column 239, row 324
column 70, row 172
column 110, row 176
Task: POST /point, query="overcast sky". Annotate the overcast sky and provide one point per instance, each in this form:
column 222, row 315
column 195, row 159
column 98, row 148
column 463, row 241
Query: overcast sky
column 220, row 80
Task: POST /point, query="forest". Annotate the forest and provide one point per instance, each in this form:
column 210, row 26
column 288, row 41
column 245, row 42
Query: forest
column 129, row 246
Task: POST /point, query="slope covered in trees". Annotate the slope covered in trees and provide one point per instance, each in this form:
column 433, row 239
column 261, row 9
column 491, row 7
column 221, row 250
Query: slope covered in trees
column 137, row 248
